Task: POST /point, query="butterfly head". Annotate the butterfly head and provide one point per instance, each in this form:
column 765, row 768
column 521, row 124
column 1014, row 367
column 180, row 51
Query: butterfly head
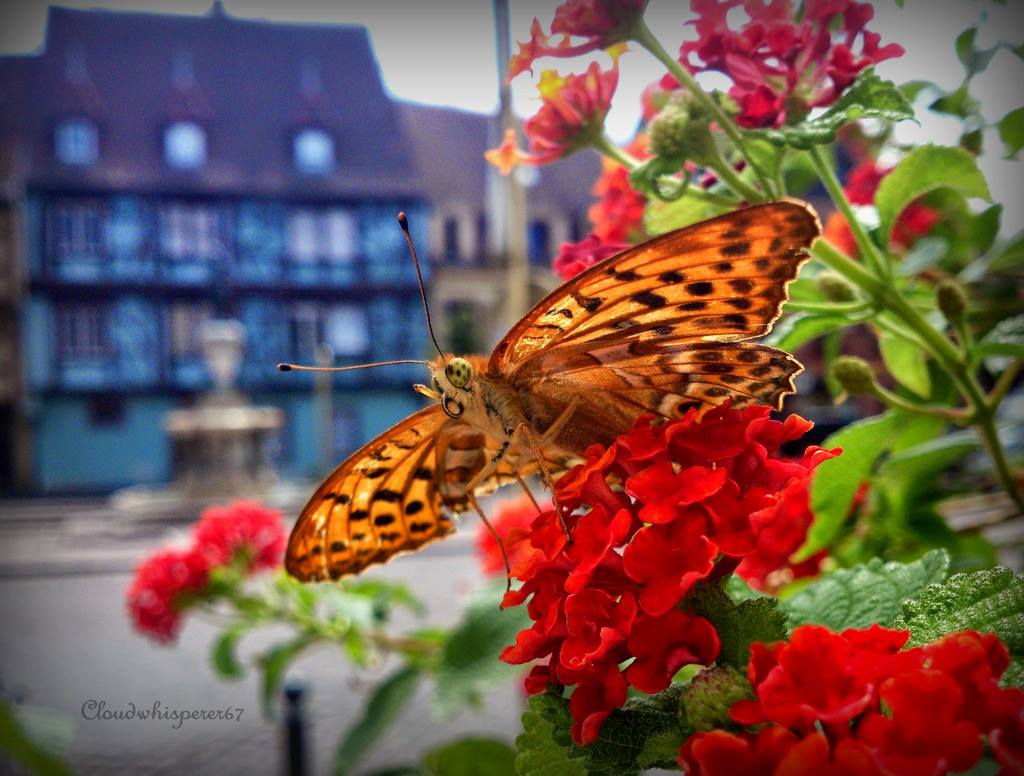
column 450, row 380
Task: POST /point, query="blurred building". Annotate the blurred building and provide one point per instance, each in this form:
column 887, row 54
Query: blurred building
column 160, row 170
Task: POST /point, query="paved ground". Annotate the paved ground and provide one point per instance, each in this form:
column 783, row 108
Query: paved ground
column 65, row 641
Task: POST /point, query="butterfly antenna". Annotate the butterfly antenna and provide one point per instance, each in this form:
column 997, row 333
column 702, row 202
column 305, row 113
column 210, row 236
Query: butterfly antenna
column 301, row 368
column 404, row 222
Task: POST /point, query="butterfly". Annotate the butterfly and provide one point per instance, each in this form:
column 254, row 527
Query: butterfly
column 654, row 331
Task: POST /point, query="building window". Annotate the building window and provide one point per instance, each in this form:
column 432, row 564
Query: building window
column 189, row 231
column 451, row 238
column 330, row 234
column 347, row 330
column 539, row 243
column 185, row 323
column 76, row 141
column 79, row 230
column 83, row 332
column 314, row 151
column 185, row 145
column 305, row 332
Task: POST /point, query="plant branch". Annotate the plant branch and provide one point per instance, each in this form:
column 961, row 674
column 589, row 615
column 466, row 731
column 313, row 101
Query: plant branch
column 642, row 34
column 605, row 145
column 1004, row 383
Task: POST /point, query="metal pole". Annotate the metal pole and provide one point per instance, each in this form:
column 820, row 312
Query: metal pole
column 510, row 193
column 295, row 728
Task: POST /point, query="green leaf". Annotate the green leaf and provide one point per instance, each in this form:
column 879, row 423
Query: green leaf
column 469, row 661
column 865, row 594
column 911, row 89
column 223, row 657
column 738, row 624
column 661, row 749
column 929, row 458
column 661, row 217
column 18, row 747
column 1011, row 255
column 906, row 362
column 1006, row 338
column 989, row 601
column 925, row 169
column 973, row 59
column 869, row 97
column 797, row 329
column 380, row 710
column 706, row 700
column 537, row 752
column 626, row 731
column 274, row 662
column 1011, row 132
column 924, row 254
column 472, row 757
column 835, row 481
column 958, row 103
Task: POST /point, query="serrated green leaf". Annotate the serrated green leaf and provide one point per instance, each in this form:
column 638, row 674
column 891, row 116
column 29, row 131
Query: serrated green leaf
column 865, row 594
column 661, row 749
column 989, row 601
column 273, row 663
column 469, row 661
column 1006, row 338
column 835, row 481
column 537, row 752
column 380, row 710
column 738, row 624
column 869, row 97
column 1011, row 132
column 797, row 329
column 625, row 732
column 925, row 169
column 472, row 757
column 223, row 657
column 707, row 699
column 1014, row 674
column 906, row 362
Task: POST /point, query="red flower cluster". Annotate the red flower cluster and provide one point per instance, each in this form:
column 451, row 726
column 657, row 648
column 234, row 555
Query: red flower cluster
column 511, row 518
column 857, row 703
column 618, row 214
column 602, row 23
column 572, row 114
column 165, row 582
column 573, row 258
column 780, row 66
column 669, row 504
column 860, row 186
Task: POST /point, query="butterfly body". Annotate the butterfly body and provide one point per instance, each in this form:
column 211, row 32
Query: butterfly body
column 657, row 330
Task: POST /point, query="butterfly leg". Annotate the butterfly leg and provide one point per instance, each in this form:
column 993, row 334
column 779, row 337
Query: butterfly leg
column 497, row 538
column 545, row 472
column 528, row 492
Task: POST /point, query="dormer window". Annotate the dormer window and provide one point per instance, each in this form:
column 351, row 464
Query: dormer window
column 314, row 151
column 185, row 145
column 76, row 141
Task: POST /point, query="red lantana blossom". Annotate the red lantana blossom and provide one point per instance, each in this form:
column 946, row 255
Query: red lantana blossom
column 666, row 506
column 573, row 258
column 166, row 582
column 244, row 529
column 511, row 520
column 618, row 214
column 858, row 702
column 781, row 66
column 860, row 186
column 571, row 116
column 601, row 23
column 160, row 589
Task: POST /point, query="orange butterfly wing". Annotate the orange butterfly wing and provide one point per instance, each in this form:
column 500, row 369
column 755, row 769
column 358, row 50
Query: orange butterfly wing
column 662, row 327
column 383, row 500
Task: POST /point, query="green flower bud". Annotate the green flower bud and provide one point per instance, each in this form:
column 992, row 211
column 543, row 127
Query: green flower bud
column 952, row 300
column 668, row 132
column 854, row 374
column 706, row 699
column 835, row 288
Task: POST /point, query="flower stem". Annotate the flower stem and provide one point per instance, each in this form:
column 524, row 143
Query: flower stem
column 839, row 308
column 1004, row 383
column 642, row 34
column 934, row 410
column 605, row 145
column 729, row 176
column 945, row 353
column 878, row 263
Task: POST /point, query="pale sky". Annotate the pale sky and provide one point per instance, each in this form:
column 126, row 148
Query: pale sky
column 442, row 52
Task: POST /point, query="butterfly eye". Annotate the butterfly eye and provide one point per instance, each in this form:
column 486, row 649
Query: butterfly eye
column 459, row 371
